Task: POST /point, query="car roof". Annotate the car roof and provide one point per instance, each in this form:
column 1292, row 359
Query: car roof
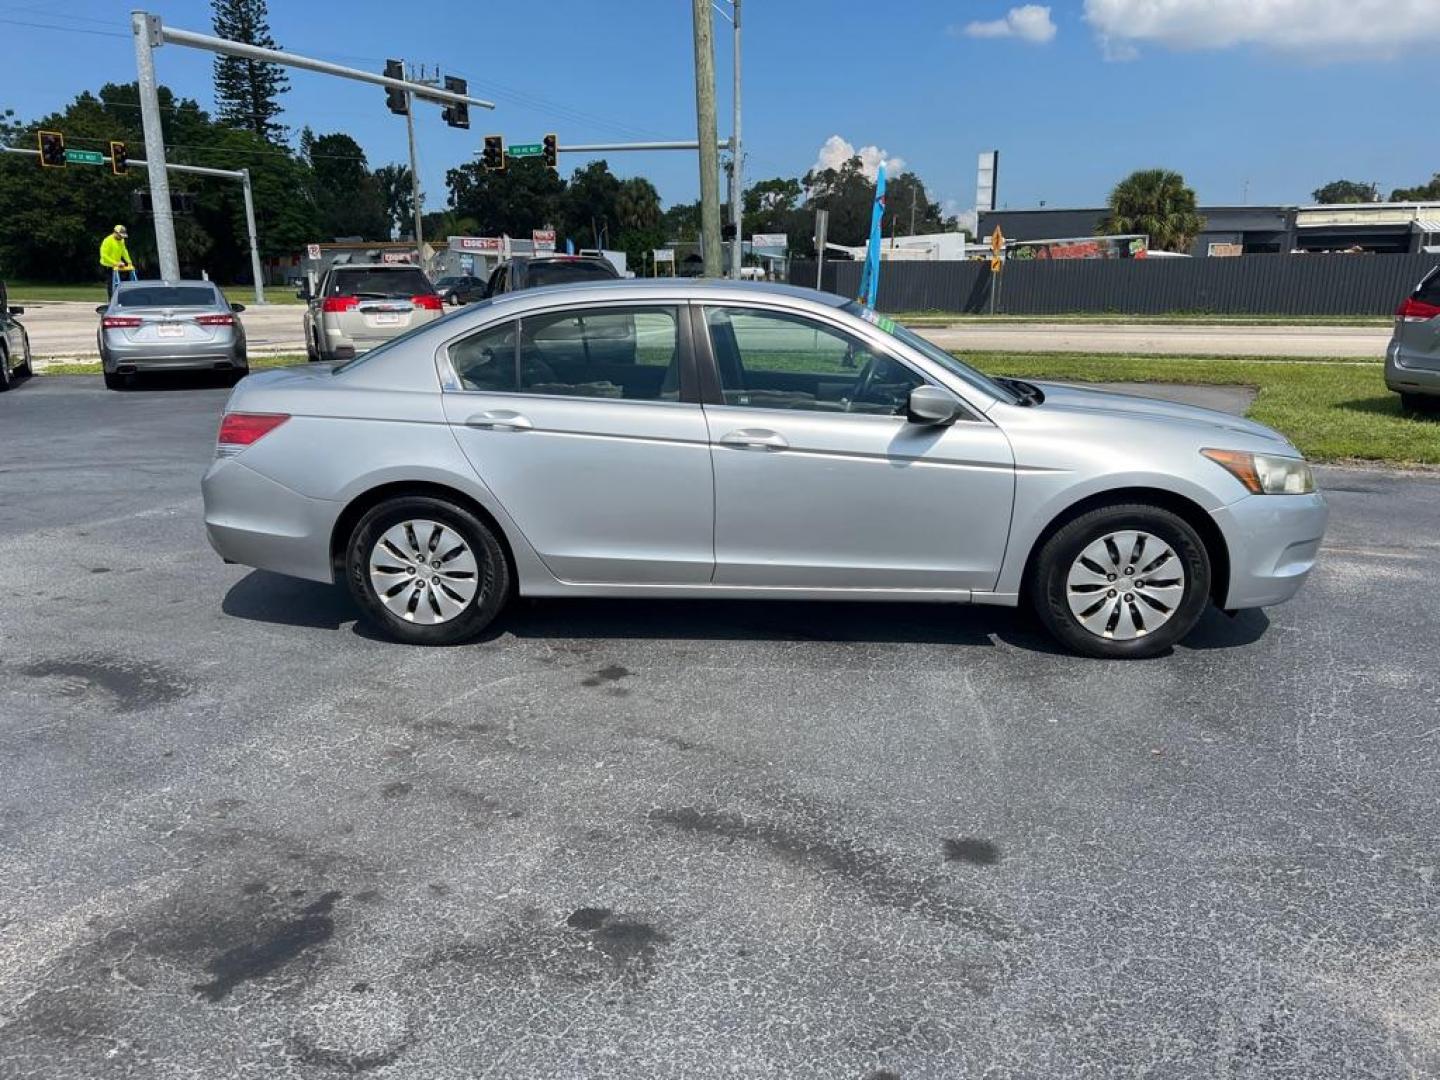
column 716, row 289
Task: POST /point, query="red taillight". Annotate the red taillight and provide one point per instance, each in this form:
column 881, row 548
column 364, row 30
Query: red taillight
column 247, row 428
column 340, row 303
column 120, row 322
column 215, row 320
column 1413, row 310
column 428, row 303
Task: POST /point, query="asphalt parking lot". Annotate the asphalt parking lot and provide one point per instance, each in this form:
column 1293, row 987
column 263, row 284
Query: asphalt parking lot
column 240, row 836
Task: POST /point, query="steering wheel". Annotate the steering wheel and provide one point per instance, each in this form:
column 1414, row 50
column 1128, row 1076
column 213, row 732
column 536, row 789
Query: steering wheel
column 863, row 382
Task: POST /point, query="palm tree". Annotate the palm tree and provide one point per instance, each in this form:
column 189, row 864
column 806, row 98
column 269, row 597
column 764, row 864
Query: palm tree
column 1155, row 202
column 637, row 204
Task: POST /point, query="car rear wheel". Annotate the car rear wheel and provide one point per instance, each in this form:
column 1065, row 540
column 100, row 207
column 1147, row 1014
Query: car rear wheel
column 426, row 571
column 1122, row 582
column 311, row 353
column 115, row 381
column 1419, row 403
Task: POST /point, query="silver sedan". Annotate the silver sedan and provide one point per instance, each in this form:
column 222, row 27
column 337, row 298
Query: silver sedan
column 170, row 326
column 654, row 439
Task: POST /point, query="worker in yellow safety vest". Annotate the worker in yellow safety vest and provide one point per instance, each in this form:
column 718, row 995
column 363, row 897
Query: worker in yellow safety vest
column 115, row 258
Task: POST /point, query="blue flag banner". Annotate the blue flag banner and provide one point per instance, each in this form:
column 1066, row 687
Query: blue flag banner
column 870, row 275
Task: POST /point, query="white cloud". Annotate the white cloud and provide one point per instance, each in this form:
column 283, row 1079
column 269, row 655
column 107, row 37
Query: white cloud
column 1028, row 23
column 836, row 151
column 1335, row 29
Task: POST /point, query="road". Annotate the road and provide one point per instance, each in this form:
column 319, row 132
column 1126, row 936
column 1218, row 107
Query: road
column 239, row 835
column 67, row 330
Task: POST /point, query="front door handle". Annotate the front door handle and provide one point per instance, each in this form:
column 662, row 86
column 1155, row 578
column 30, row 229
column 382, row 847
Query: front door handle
column 755, row 439
column 500, row 420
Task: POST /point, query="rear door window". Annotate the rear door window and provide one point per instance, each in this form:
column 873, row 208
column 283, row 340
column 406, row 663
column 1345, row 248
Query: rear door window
column 630, row 353
column 401, row 282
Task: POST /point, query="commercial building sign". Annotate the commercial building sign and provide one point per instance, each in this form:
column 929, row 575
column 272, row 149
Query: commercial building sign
column 543, row 239
column 490, row 244
column 1225, row 251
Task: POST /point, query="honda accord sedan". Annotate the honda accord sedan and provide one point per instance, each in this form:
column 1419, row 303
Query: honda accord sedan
column 653, row 439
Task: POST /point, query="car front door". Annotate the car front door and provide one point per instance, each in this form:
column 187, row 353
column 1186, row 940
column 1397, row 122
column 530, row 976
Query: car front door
column 586, row 424
column 822, row 482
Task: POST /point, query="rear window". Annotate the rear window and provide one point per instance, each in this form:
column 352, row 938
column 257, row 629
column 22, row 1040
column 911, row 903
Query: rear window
column 564, row 273
column 1429, row 290
column 401, row 281
column 166, row 296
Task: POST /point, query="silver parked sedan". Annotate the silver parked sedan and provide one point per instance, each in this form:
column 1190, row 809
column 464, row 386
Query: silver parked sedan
column 170, row 326
column 690, row 439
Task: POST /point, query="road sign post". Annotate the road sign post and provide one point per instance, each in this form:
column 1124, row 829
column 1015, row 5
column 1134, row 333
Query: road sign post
column 997, row 263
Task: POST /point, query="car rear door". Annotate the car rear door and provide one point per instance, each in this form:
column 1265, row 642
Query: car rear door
column 1417, row 326
column 586, row 424
column 821, row 482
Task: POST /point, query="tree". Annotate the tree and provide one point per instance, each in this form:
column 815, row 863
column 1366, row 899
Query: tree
column 247, row 92
column 1155, row 202
column 348, row 200
column 526, row 196
column 681, row 222
column 637, row 209
column 1424, row 193
column 398, row 194
column 1346, row 191
column 848, row 194
column 588, row 208
column 909, row 211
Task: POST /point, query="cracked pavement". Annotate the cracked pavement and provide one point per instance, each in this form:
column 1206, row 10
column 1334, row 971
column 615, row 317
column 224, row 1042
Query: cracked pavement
column 240, row 836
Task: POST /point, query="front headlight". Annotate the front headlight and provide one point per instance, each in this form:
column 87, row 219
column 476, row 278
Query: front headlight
column 1264, row 474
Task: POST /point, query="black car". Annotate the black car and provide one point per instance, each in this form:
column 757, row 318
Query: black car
column 15, row 358
column 460, row 289
column 531, row 272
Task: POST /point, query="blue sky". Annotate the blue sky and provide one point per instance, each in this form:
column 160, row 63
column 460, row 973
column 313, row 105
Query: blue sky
column 1248, row 102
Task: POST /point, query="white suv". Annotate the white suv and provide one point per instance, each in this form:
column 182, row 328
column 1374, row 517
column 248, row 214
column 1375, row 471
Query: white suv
column 361, row 306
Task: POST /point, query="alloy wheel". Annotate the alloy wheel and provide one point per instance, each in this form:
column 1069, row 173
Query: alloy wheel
column 1125, row 585
column 424, row 572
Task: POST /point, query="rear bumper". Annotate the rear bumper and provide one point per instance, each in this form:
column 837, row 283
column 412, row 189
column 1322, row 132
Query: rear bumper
column 1404, row 379
column 252, row 520
column 1272, row 542
column 220, row 354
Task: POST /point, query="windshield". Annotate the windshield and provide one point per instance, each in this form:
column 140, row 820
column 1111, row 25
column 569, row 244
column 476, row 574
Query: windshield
column 375, row 281
column 167, row 296
column 978, row 379
column 562, row 273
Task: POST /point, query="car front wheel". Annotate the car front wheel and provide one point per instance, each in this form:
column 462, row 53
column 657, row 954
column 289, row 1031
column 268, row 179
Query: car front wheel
column 426, row 571
column 1421, row 403
column 1122, row 582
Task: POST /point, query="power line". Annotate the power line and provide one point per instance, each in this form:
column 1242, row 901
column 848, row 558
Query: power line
column 64, row 29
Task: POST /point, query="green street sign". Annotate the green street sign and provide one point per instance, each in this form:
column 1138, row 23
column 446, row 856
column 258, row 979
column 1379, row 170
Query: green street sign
column 85, row 157
column 529, row 149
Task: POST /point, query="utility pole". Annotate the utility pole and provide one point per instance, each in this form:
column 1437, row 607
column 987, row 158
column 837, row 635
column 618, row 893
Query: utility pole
column 146, row 29
column 705, row 129
column 415, row 195
column 737, row 170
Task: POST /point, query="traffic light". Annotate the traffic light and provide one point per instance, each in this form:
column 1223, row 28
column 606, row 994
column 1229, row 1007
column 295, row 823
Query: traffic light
column 551, row 144
column 119, row 158
column 52, row 150
column 457, row 115
column 727, row 231
column 394, row 98
column 494, row 156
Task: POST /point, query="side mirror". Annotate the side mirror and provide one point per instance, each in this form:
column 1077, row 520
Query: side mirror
column 237, row 308
column 302, row 292
column 17, row 311
column 932, row 405
column 102, row 309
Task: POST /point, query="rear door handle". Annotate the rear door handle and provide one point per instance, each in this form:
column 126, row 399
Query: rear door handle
column 755, row 439
column 500, row 420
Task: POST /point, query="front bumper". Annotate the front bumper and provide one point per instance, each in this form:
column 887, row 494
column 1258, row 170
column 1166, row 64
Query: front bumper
column 1272, row 542
column 252, row 520
column 1408, row 380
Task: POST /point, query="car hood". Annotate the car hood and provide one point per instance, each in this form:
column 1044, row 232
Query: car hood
column 1129, row 407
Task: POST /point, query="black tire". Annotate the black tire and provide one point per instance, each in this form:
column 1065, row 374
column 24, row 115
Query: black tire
column 115, row 381
column 1421, row 403
column 1048, row 589
column 234, row 376
column 6, row 381
column 311, row 352
column 29, row 369
column 493, row 570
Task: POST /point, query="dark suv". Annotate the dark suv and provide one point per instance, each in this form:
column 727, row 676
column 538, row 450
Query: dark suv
column 533, row 271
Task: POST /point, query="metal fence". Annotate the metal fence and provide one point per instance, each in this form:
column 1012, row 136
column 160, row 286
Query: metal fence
column 1251, row 285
